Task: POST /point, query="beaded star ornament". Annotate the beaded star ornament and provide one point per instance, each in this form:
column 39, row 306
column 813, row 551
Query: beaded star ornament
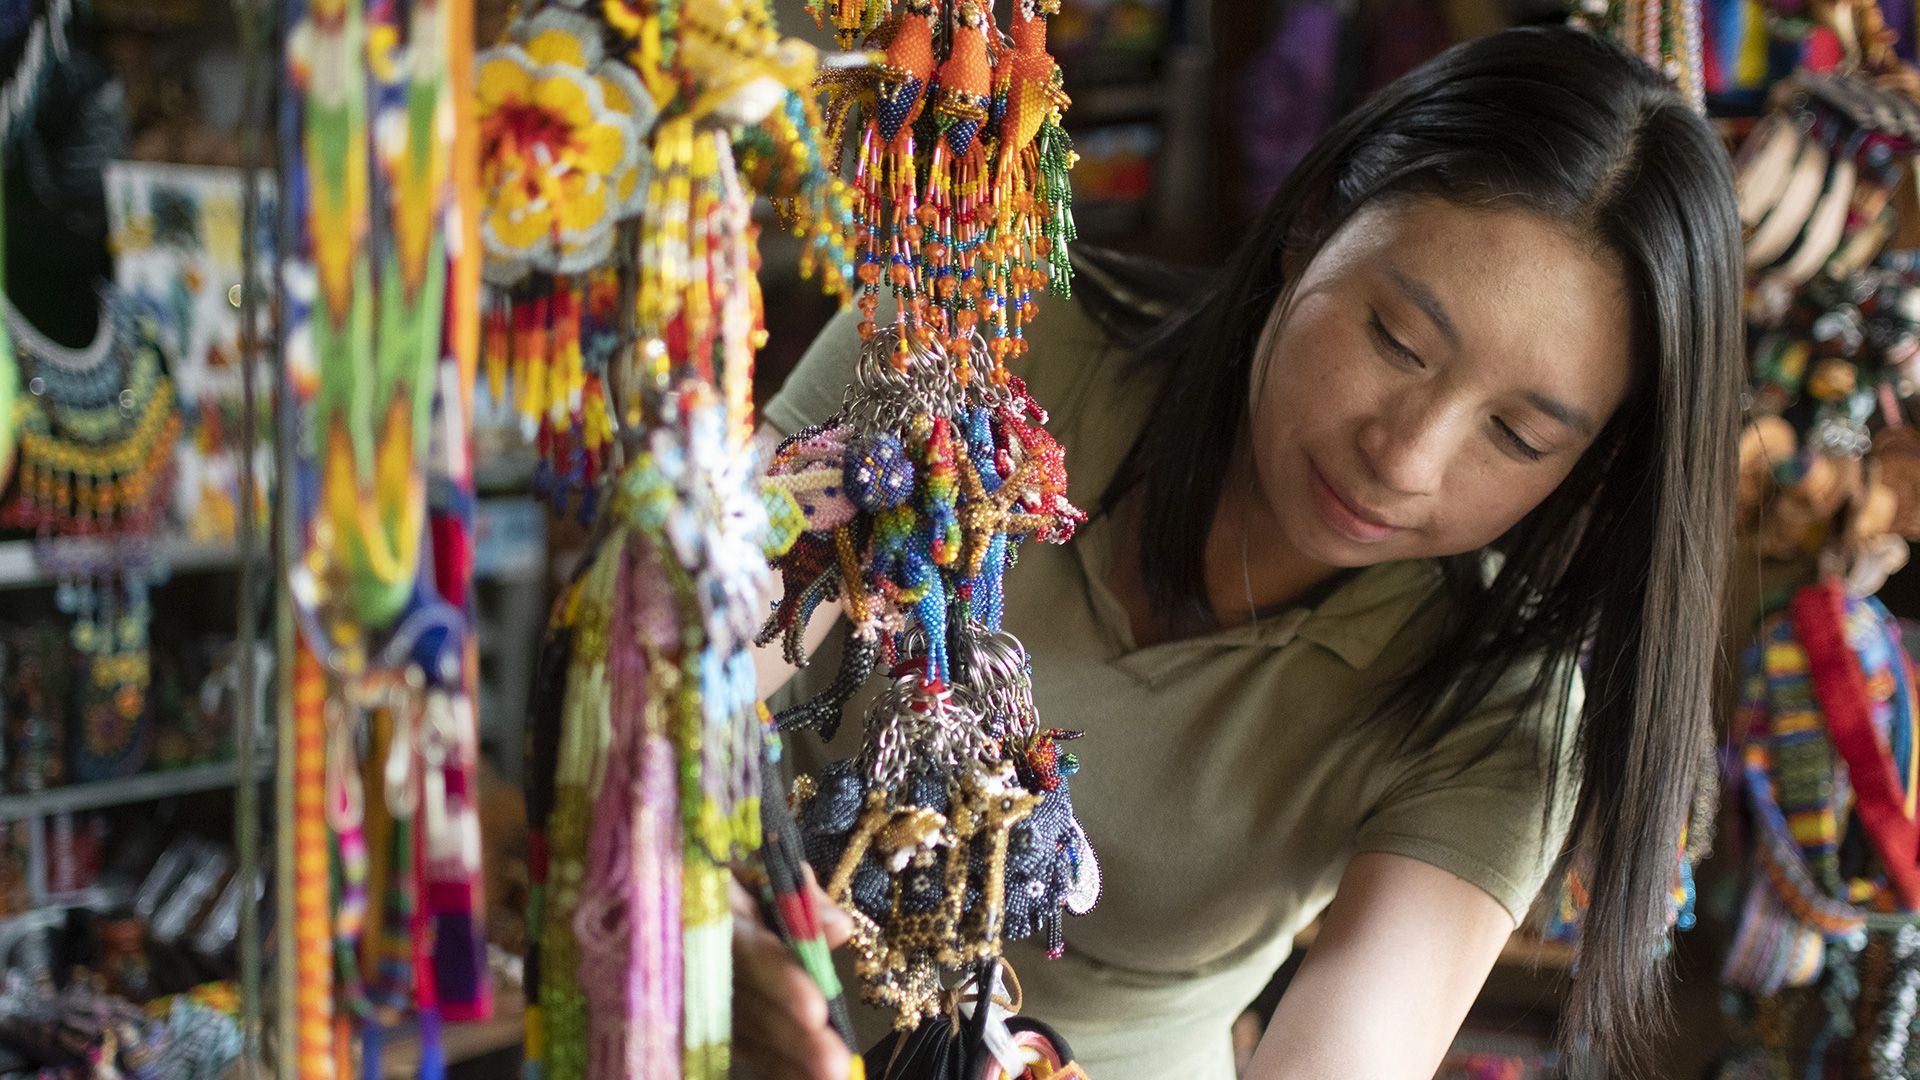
column 961, row 201
column 646, row 742
column 379, row 271
column 97, row 434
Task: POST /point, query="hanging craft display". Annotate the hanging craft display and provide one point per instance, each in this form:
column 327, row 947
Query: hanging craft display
column 176, row 233
column 624, row 313
column 581, row 134
column 952, row 832
column 1828, row 463
column 1826, row 954
column 97, row 436
column 378, row 252
column 962, row 210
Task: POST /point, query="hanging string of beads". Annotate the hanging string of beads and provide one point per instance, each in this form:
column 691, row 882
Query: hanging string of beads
column 623, row 150
column 379, row 259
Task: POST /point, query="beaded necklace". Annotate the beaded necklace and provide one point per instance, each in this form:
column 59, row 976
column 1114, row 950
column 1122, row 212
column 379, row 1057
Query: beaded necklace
column 97, row 437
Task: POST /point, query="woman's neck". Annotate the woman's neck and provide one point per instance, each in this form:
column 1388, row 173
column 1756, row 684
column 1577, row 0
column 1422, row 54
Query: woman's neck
column 1249, row 569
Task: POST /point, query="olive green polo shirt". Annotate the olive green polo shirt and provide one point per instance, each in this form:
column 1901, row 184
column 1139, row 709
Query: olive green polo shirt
column 1225, row 779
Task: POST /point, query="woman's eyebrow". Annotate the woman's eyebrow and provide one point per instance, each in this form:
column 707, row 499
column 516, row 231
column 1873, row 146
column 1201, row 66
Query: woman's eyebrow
column 1576, row 419
column 1423, row 298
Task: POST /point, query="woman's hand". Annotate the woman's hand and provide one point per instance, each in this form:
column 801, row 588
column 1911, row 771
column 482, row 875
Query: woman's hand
column 780, row 1023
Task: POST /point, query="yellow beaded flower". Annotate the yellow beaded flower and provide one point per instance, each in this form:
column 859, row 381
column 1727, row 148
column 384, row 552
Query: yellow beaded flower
column 561, row 131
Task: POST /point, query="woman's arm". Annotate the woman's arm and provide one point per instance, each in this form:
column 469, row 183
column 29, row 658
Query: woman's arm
column 1401, row 955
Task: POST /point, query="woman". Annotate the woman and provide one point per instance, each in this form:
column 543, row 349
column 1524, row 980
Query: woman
column 1460, row 408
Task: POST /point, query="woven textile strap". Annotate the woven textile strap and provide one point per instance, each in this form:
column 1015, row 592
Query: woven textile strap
column 1838, row 682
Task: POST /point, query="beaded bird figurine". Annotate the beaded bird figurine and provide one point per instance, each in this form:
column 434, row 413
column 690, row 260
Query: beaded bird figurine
column 953, row 831
column 962, row 209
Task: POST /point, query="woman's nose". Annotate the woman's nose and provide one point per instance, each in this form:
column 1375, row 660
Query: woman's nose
column 1408, row 448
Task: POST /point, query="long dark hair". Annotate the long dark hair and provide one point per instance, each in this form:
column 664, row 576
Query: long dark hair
column 1626, row 557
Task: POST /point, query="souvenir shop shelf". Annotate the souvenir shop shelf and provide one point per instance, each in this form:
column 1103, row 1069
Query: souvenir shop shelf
column 143, row 787
column 20, row 567
column 400, row 1059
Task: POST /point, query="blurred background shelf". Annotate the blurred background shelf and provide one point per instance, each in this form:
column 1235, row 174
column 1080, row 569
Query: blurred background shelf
column 20, row 567
column 139, row 788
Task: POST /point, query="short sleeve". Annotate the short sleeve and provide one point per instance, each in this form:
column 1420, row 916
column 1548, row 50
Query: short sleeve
column 1472, row 804
column 814, row 390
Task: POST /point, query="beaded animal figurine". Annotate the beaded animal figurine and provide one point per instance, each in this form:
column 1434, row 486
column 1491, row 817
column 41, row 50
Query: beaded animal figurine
column 960, row 171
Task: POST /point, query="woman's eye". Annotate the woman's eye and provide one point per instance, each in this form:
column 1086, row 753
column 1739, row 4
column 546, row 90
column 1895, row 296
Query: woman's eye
column 1392, row 345
column 1520, row 446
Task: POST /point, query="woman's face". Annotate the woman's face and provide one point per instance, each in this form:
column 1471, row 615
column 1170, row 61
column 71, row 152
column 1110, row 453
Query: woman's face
column 1437, row 373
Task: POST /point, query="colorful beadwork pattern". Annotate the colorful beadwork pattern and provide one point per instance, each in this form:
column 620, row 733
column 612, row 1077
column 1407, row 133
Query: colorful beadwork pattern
column 379, row 267
column 961, row 203
column 629, row 360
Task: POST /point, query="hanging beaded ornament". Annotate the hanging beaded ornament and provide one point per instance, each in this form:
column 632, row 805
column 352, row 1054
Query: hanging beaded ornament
column 569, row 108
column 644, row 762
column 954, row 830
column 381, row 263
column 961, row 208
column 98, row 430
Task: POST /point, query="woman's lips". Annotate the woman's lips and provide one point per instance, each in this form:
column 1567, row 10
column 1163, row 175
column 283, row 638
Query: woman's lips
column 1346, row 519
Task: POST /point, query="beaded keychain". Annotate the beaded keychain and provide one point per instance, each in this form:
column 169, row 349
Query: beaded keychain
column 954, row 830
column 962, row 206
column 380, row 267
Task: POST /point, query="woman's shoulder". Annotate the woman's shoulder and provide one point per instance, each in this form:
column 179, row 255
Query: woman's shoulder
column 1066, row 357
